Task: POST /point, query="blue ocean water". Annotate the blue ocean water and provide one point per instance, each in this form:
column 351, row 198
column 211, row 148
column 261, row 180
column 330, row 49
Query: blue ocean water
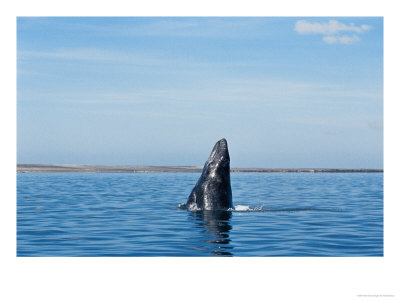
column 137, row 214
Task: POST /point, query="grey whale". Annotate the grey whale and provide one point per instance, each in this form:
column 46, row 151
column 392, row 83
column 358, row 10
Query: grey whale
column 213, row 189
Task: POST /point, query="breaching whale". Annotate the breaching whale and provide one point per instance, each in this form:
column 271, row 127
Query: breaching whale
column 213, row 189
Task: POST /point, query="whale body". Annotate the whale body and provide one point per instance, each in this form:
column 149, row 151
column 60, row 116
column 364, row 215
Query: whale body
column 213, row 189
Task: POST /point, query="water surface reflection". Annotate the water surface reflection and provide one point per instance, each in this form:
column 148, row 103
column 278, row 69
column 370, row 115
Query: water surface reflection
column 216, row 226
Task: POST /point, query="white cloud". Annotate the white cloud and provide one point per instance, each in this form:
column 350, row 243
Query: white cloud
column 328, row 28
column 332, row 30
column 341, row 39
column 330, row 39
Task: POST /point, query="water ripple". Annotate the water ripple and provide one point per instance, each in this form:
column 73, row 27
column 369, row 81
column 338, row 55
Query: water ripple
column 276, row 214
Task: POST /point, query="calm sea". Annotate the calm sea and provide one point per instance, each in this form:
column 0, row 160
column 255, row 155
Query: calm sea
column 137, row 214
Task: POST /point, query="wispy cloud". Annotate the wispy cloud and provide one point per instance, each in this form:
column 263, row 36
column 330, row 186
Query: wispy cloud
column 203, row 27
column 332, row 31
column 251, row 92
column 92, row 54
column 154, row 60
column 127, row 58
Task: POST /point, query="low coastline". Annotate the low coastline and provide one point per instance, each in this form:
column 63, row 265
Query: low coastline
column 65, row 168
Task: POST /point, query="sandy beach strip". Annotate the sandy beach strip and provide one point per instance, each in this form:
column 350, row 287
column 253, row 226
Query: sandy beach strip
column 63, row 168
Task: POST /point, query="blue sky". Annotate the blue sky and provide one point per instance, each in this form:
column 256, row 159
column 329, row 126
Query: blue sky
column 284, row 92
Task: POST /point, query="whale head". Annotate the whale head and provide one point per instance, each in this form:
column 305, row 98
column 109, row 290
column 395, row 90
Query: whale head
column 213, row 189
column 219, row 161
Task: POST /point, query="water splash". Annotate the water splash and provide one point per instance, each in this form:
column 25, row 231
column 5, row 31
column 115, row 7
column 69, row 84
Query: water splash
column 181, row 206
column 289, row 209
column 247, row 208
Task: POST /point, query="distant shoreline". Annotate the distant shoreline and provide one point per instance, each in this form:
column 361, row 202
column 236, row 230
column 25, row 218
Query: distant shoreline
column 68, row 168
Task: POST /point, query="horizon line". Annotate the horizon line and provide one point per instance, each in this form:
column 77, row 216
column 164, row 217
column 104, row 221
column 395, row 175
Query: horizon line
column 95, row 168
